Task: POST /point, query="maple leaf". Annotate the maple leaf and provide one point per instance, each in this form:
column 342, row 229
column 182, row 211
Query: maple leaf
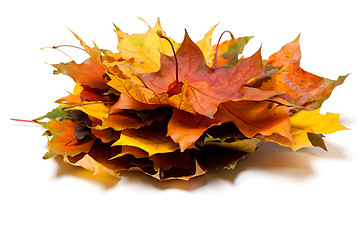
column 56, row 113
column 88, row 73
column 205, row 45
column 63, row 139
column 97, row 110
column 144, row 48
column 307, row 129
column 185, row 128
column 151, row 139
column 204, row 84
column 228, row 51
column 300, row 87
column 144, row 95
column 256, row 117
column 305, row 125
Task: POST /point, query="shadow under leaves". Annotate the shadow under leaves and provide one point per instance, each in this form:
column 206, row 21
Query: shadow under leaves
column 270, row 157
column 65, row 169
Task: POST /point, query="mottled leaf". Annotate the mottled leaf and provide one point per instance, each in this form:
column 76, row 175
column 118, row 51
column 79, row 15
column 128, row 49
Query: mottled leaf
column 300, row 87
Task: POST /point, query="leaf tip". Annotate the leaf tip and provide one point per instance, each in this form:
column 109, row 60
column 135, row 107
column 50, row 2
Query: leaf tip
column 258, row 53
column 141, row 19
column 186, row 33
column 186, row 36
column 70, row 30
column 297, row 39
column 157, row 24
column 116, row 27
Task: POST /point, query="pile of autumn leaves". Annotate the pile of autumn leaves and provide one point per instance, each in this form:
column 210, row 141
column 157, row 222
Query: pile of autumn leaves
column 177, row 116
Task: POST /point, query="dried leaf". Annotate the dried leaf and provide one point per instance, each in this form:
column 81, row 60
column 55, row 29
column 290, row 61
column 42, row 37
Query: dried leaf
column 185, row 128
column 305, row 122
column 256, row 117
column 206, row 47
column 151, row 139
column 144, row 48
column 88, row 73
column 97, row 110
column 63, row 141
column 204, row 84
column 300, row 87
column 229, row 50
column 56, row 113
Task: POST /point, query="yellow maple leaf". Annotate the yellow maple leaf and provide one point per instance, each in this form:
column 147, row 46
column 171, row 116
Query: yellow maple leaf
column 304, row 122
column 145, row 48
column 151, row 139
column 97, row 110
column 206, row 47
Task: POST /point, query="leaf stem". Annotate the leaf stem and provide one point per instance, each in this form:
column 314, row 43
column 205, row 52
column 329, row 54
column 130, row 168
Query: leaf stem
column 176, row 59
column 57, row 48
column 64, row 45
column 22, row 120
column 219, row 40
column 87, row 103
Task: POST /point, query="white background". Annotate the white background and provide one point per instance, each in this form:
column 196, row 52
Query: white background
column 273, row 194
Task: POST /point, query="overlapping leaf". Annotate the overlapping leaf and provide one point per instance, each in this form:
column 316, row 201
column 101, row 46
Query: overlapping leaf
column 88, row 73
column 144, row 48
column 204, row 84
column 304, row 123
column 63, row 139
